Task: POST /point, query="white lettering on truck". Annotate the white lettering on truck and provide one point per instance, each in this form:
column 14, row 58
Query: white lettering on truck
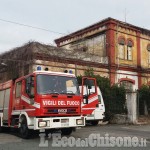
column 60, row 103
column 49, row 103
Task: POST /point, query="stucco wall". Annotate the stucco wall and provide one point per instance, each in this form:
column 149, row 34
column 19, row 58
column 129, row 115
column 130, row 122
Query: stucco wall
column 145, row 62
column 146, row 79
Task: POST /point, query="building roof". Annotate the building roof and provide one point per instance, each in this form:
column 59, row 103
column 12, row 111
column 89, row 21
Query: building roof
column 101, row 23
column 35, row 50
column 18, row 61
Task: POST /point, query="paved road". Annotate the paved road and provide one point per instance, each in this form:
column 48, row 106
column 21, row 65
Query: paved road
column 10, row 141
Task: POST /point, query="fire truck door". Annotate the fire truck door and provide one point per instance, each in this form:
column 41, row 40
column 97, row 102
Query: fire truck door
column 90, row 97
column 6, row 104
column 89, row 89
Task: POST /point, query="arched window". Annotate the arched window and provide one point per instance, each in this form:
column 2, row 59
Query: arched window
column 121, row 48
column 129, row 50
column 127, row 85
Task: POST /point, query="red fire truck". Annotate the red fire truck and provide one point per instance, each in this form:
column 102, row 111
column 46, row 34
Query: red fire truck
column 42, row 100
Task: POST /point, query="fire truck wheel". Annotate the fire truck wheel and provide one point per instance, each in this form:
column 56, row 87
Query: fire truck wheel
column 94, row 123
column 23, row 130
column 66, row 131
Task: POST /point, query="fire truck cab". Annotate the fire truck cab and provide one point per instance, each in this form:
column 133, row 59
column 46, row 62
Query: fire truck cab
column 42, row 100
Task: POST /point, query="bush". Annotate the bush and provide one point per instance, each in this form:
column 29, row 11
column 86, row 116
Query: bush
column 144, row 97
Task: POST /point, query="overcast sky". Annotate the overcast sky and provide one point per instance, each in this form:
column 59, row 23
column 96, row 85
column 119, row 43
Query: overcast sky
column 63, row 16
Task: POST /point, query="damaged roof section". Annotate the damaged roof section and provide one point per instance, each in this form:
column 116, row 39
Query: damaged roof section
column 57, row 53
column 18, row 61
column 29, row 51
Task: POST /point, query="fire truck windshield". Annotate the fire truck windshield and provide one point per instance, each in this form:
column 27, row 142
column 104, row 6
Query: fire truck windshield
column 53, row 84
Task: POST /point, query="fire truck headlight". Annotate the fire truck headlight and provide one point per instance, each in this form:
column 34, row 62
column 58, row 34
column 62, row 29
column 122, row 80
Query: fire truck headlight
column 80, row 121
column 42, row 123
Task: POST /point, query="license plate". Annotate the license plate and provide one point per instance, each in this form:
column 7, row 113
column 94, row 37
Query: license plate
column 62, row 110
column 65, row 122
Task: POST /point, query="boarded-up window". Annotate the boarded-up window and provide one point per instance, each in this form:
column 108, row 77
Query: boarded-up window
column 121, row 48
column 129, row 53
column 129, row 50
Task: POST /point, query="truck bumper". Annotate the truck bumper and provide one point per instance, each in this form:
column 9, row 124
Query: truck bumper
column 58, row 122
column 97, row 115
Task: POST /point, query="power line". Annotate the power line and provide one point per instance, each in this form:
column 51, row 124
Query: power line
column 38, row 28
column 29, row 26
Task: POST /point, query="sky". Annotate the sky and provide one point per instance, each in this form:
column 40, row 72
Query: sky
column 61, row 17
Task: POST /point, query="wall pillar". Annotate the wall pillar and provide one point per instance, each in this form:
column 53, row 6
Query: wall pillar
column 110, row 45
column 139, row 59
column 132, row 107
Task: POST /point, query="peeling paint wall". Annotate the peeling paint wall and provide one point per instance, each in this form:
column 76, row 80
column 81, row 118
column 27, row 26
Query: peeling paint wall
column 94, row 45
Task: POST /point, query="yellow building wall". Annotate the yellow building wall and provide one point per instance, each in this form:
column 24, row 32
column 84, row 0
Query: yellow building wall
column 145, row 79
column 145, row 40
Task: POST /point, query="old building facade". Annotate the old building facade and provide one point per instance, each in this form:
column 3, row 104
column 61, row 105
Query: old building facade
column 122, row 47
column 113, row 49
